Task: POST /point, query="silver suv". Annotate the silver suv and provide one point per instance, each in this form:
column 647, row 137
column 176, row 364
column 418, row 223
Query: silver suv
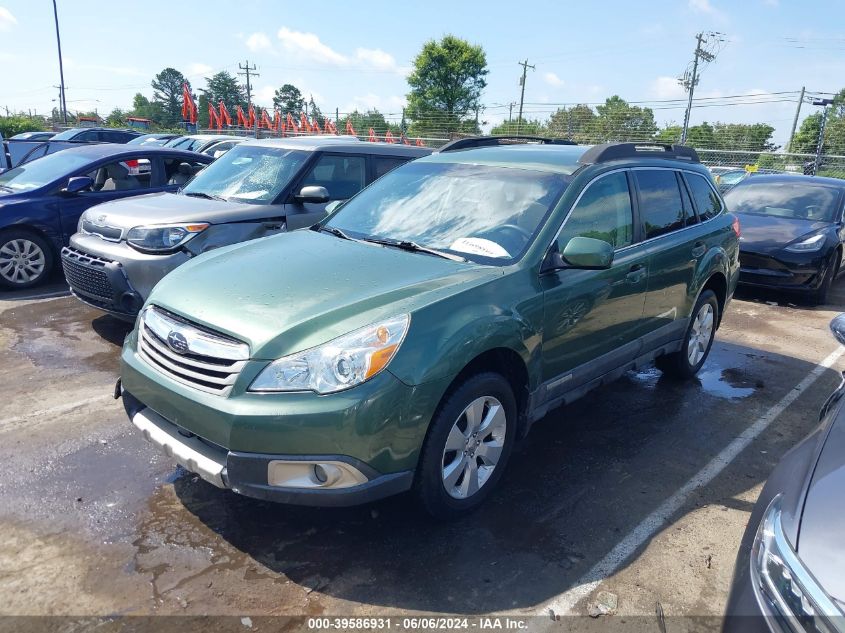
column 258, row 188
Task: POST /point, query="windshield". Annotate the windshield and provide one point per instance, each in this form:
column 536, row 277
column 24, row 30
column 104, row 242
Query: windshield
column 148, row 140
column 486, row 214
column 42, row 171
column 66, row 135
column 248, row 174
column 798, row 201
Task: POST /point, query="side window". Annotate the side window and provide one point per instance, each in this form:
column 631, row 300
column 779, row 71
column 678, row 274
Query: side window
column 342, row 176
column 384, row 164
column 706, row 200
column 124, row 175
column 603, row 213
column 178, row 171
column 689, row 210
column 89, row 135
column 112, row 137
column 661, row 208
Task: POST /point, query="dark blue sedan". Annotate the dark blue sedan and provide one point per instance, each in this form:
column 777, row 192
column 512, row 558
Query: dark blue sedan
column 41, row 201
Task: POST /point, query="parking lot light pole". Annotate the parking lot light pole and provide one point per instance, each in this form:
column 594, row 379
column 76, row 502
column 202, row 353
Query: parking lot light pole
column 824, row 103
column 63, row 104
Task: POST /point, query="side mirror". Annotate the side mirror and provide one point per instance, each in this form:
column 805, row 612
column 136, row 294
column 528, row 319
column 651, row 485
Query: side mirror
column 837, row 326
column 582, row 252
column 77, row 184
column 313, row 194
column 334, row 205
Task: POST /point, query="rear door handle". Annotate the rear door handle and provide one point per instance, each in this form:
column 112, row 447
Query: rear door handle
column 699, row 249
column 636, row 273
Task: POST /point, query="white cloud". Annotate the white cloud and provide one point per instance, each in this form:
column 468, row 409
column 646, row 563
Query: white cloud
column 378, row 59
column 552, row 79
column 666, row 88
column 197, row 69
column 704, row 7
column 7, row 20
column 307, row 46
column 259, row 42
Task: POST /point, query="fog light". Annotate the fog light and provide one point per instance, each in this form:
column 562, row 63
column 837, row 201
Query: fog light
column 320, row 474
column 309, row 474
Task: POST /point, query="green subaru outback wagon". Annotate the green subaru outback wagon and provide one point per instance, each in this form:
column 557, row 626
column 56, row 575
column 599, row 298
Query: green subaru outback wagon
column 411, row 338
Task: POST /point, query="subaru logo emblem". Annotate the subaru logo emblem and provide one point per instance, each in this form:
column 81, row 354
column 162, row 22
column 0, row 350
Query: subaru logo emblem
column 101, row 220
column 177, row 342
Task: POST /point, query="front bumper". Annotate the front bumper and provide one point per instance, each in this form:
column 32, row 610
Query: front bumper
column 113, row 276
column 786, row 271
column 250, row 474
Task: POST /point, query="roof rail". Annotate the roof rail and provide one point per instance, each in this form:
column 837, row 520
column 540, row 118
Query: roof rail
column 614, row 151
column 491, row 141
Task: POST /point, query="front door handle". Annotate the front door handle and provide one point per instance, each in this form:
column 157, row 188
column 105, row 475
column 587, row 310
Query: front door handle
column 636, row 274
column 698, row 249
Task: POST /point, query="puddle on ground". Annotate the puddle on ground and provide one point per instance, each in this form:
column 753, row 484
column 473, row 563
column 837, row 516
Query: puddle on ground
column 730, row 383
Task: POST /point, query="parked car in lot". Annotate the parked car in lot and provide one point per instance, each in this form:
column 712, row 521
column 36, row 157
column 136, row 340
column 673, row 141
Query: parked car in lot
column 788, row 574
column 256, row 189
column 32, row 136
column 200, row 142
column 408, row 340
column 41, row 201
column 97, row 134
column 157, row 139
column 792, row 232
column 217, row 148
column 727, row 177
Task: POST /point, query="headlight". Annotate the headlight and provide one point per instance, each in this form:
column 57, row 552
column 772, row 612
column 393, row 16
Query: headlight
column 165, row 237
column 807, row 246
column 786, row 584
column 339, row 364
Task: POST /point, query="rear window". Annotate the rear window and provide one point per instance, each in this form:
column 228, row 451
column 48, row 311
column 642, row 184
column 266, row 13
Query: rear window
column 706, row 200
column 661, row 208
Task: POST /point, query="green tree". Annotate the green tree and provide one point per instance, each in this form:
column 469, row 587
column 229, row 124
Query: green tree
column 145, row 109
column 617, row 120
column 446, row 83
column 288, row 98
column 167, row 92
column 807, row 137
column 314, row 113
column 669, row 134
column 116, row 118
column 226, row 87
column 524, row 127
column 577, row 123
column 202, row 112
column 11, row 125
column 363, row 121
column 754, row 137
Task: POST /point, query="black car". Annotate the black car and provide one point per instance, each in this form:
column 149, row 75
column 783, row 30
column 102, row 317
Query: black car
column 33, row 136
column 41, row 201
column 97, row 135
column 156, row 139
column 792, row 232
column 790, row 571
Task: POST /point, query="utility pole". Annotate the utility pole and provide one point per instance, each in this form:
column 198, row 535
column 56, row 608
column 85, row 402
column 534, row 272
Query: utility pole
column 690, row 82
column 795, row 120
column 824, row 103
column 525, row 66
column 63, row 102
column 249, row 72
column 510, row 111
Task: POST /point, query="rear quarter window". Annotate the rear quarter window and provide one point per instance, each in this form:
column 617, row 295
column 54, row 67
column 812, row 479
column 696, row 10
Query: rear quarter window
column 706, row 200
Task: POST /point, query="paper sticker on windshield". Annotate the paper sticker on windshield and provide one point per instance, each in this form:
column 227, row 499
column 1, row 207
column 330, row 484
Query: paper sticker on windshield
column 478, row 246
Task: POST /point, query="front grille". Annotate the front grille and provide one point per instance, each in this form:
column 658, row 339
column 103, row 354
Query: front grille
column 111, row 233
column 86, row 274
column 210, row 362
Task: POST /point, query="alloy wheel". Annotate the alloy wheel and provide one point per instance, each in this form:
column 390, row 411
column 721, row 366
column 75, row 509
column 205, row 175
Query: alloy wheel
column 473, row 447
column 700, row 334
column 21, row 261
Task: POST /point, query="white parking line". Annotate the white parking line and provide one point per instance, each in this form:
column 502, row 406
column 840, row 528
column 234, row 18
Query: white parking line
column 565, row 602
column 58, row 409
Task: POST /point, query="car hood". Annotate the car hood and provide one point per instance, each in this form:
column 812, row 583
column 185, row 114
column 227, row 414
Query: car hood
column 766, row 234
column 821, row 540
column 167, row 208
column 292, row 291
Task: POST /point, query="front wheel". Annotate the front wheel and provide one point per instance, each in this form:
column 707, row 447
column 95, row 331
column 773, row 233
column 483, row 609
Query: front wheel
column 25, row 259
column 828, row 279
column 468, row 445
column 697, row 342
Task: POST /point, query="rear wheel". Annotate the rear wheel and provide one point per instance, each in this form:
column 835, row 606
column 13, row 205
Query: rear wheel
column 26, row 259
column 468, row 445
column 697, row 342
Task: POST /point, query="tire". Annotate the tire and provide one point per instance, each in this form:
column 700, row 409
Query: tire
column 698, row 340
column 26, row 259
column 820, row 295
column 451, row 482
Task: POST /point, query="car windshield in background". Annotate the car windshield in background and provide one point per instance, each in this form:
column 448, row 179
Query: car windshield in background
column 186, row 143
column 41, row 172
column 796, row 201
column 248, row 174
column 485, row 214
column 66, row 135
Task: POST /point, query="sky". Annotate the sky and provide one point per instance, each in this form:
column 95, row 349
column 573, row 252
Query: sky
column 357, row 55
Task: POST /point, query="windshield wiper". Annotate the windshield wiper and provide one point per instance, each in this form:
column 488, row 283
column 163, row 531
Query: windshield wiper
column 332, row 230
column 5, row 188
column 203, row 194
column 413, row 247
